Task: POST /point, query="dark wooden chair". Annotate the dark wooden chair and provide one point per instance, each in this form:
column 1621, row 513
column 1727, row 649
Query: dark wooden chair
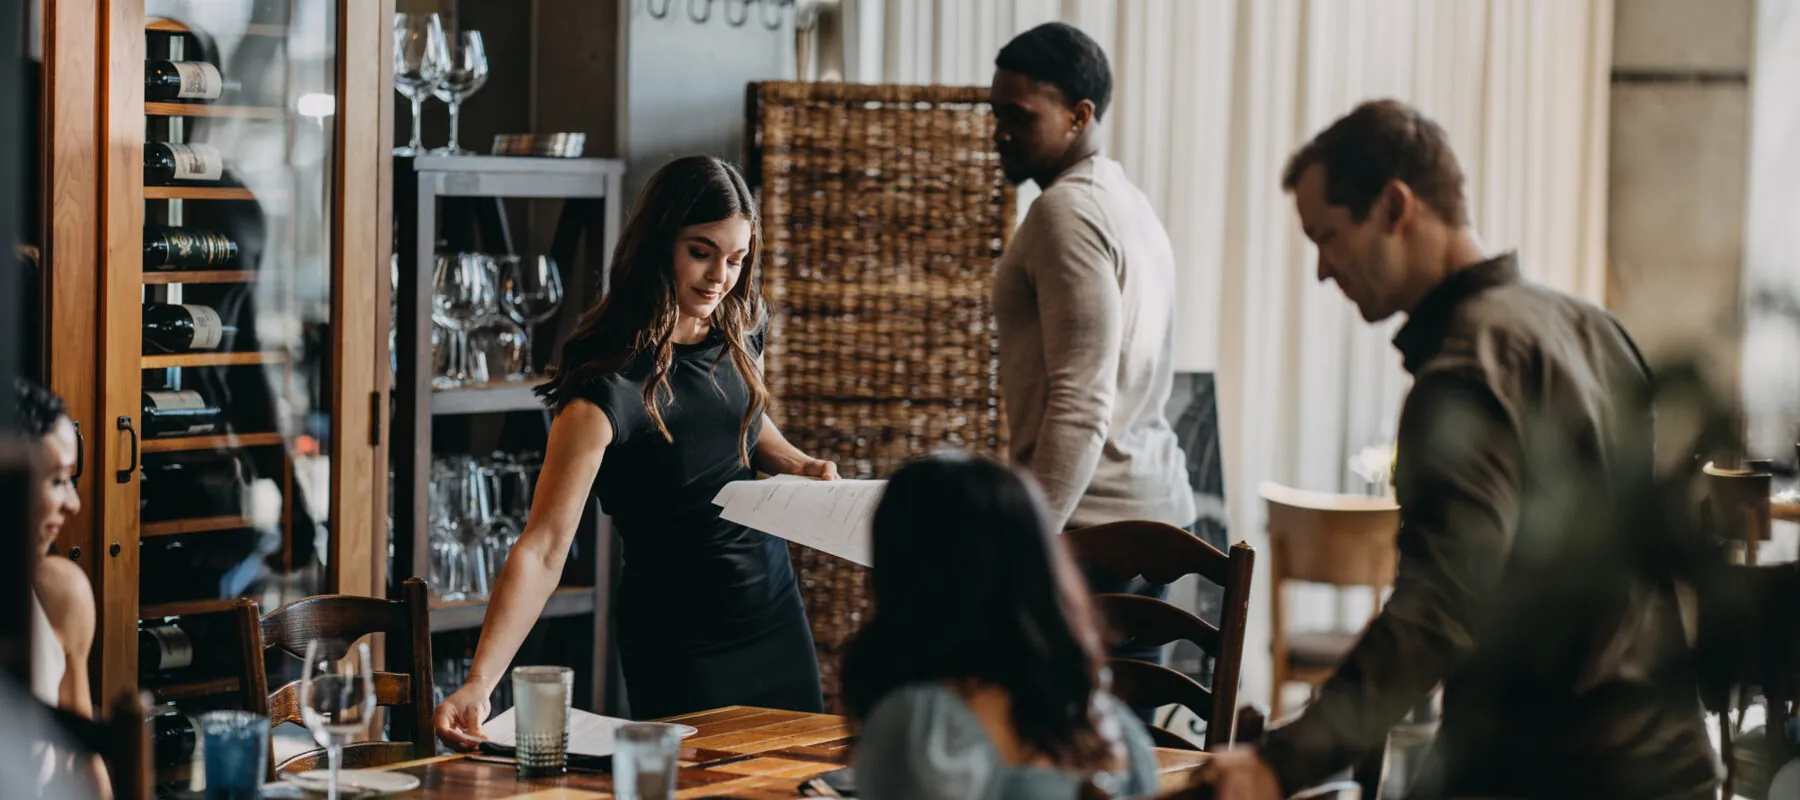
column 406, row 626
column 1163, row 554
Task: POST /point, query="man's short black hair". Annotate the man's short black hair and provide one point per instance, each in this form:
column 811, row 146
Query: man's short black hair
column 1061, row 55
column 38, row 408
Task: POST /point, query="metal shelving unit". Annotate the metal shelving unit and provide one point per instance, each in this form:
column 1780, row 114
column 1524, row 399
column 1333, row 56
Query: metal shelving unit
column 591, row 191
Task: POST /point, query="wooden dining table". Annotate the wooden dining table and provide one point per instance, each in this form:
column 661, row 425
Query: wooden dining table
column 740, row 752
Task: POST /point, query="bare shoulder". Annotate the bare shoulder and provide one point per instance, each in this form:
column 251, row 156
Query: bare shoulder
column 582, row 420
column 68, row 600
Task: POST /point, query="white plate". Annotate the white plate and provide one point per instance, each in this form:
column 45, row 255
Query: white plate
column 355, row 781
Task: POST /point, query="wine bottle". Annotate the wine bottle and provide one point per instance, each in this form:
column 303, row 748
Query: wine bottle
column 174, row 737
column 192, row 486
column 173, row 81
column 181, row 248
column 166, row 163
column 184, row 328
column 164, row 648
column 183, row 412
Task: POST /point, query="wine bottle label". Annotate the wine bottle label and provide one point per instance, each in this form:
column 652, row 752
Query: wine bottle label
column 209, row 330
column 199, row 81
column 196, row 248
column 184, row 400
column 197, row 162
column 176, row 648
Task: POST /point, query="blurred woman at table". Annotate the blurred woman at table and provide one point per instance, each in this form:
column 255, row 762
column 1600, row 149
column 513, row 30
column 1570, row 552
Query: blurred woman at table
column 62, row 598
column 979, row 675
column 659, row 401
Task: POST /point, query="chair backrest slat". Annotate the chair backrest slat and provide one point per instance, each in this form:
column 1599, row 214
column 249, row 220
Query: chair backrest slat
column 391, row 690
column 1162, row 554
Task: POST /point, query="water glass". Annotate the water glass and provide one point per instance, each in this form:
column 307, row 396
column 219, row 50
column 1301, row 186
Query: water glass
column 541, row 698
column 644, row 761
column 236, row 747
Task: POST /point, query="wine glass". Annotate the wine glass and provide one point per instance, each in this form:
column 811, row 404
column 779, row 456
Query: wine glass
column 499, row 345
column 421, row 54
column 466, row 72
column 531, row 292
column 462, row 296
column 337, row 697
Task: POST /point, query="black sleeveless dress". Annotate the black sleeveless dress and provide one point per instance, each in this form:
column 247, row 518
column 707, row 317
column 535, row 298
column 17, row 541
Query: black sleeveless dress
column 708, row 611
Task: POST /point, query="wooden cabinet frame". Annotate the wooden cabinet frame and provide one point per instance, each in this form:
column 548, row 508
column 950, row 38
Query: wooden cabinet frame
column 94, row 147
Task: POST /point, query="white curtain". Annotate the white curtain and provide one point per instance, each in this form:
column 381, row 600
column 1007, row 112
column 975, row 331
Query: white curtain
column 1210, row 98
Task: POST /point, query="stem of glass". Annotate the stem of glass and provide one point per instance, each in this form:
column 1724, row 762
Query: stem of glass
column 334, row 754
column 455, row 113
column 530, row 370
column 418, row 120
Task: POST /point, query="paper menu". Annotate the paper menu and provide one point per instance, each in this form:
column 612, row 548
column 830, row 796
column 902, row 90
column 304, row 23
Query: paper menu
column 589, row 734
column 833, row 516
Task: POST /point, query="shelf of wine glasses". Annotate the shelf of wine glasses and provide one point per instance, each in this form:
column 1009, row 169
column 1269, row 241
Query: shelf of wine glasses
column 254, row 29
column 197, row 193
column 200, row 276
column 192, row 689
column 227, row 441
column 567, row 601
column 213, row 360
column 153, row 109
column 176, row 527
column 486, row 399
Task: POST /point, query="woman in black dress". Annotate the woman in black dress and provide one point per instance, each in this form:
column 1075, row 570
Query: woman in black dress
column 659, row 403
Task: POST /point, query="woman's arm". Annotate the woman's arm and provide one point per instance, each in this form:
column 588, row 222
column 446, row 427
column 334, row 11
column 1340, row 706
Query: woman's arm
column 775, row 455
column 68, row 600
column 578, row 441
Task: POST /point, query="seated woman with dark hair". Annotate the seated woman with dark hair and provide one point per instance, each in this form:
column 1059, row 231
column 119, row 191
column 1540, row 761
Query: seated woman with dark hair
column 979, row 675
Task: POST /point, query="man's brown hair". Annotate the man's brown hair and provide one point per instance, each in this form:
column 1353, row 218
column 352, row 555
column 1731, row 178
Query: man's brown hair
column 1380, row 141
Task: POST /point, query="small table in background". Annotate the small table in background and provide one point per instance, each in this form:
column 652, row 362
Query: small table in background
column 740, row 752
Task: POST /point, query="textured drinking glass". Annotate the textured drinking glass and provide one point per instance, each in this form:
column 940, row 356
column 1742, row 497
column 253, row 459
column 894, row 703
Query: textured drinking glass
column 644, row 761
column 236, row 744
column 541, row 719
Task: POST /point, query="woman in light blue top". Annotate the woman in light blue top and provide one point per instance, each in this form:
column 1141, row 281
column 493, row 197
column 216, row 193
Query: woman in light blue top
column 979, row 676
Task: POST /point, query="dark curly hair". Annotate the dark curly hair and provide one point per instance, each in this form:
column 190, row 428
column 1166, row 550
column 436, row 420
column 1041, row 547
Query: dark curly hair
column 38, row 408
column 1063, row 56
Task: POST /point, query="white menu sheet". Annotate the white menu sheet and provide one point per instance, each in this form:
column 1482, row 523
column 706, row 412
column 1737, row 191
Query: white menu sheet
column 833, row 516
column 589, row 734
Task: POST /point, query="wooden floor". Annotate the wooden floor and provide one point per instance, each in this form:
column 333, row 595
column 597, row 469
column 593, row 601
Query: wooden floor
column 740, row 752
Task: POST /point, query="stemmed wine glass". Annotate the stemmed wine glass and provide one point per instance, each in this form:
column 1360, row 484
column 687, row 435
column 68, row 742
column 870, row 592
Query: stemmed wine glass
column 337, row 697
column 466, row 71
column 531, row 291
column 421, row 54
column 463, row 295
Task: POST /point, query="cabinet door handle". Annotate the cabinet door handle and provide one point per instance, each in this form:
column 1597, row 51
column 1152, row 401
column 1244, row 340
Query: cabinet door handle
column 124, row 475
column 80, row 454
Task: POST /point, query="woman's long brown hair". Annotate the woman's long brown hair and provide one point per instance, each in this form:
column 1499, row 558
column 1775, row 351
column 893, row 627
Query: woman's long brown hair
column 637, row 317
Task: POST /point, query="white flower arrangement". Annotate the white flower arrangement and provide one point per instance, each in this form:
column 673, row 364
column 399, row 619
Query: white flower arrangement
column 1375, row 464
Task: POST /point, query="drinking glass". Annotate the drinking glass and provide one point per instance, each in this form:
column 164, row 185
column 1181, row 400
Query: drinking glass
column 462, row 296
column 644, row 761
column 476, row 517
column 337, row 697
column 541, row 719
column 504, row 531
column 447, row 564
column 421, row 54
column 499, row 346
column 465, row 73
column 236, row 744
column 531, row 291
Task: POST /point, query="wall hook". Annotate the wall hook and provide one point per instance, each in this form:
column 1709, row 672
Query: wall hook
column 778, row 5
column 650, row 6
column 739, row 20
column 705, row 13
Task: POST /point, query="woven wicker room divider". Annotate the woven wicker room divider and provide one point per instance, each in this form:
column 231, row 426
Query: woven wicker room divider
column 884, row 211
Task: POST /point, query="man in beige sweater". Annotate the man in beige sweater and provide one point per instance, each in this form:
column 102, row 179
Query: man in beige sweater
column 1084, row 297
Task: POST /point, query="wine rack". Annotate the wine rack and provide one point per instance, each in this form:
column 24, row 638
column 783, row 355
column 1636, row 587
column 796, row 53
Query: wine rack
column 244, row 294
